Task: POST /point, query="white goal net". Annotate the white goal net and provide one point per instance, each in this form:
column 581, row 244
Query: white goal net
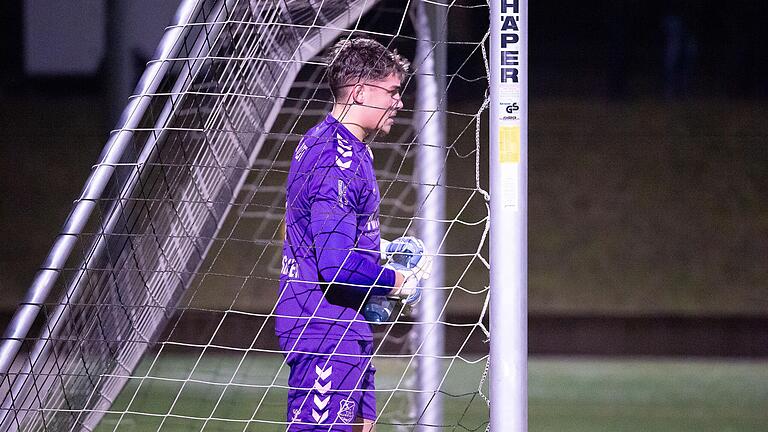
column 155, row 309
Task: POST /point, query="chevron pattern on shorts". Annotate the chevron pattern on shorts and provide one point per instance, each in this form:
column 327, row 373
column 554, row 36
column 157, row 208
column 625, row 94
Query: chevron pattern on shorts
column 321, row 398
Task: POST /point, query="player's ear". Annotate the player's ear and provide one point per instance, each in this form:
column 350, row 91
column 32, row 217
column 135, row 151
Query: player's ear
column 358, row 94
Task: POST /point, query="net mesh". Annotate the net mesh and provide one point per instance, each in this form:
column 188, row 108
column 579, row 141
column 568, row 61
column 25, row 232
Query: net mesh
column 164, row 316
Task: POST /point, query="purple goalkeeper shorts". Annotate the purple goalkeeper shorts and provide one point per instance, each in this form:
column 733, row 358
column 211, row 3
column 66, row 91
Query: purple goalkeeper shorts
column 332, row 388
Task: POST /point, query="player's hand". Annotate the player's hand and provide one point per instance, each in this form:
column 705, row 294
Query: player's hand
column 408, row 256
column 406, row 286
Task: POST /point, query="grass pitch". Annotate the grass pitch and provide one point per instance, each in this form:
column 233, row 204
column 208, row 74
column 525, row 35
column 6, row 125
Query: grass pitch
column 564, row 395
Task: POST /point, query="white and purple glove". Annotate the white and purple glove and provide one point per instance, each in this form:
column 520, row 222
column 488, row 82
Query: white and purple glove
column 408, row 256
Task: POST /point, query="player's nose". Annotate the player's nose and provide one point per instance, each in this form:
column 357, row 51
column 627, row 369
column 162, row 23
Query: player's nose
column 398, row 105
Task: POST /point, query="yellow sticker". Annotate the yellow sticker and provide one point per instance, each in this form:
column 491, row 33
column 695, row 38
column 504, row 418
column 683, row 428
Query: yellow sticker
column 509, row 144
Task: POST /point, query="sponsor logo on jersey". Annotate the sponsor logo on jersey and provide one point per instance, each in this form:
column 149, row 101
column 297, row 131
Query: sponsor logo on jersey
column 342, row 198
column 290, row 267
column 372, row 224
column 300, row 150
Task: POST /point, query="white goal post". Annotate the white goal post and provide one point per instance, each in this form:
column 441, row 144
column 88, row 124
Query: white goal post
column 508, row 82
column 193, row 180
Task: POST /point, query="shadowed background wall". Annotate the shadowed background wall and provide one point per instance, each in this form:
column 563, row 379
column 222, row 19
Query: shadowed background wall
column 648, row 166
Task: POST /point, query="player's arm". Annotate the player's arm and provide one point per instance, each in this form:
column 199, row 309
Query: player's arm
column 334, row 228
column 412, row 264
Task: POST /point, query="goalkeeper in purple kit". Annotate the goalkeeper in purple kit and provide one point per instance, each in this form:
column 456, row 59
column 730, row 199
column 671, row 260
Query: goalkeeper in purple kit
column 332, row 253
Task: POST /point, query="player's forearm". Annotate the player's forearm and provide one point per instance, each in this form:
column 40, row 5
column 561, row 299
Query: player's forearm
column 338, row 260
column 352, row 269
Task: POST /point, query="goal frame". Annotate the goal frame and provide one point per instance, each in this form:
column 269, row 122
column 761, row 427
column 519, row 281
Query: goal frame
column 507, row 354
column 104, row 172
column 508, row 142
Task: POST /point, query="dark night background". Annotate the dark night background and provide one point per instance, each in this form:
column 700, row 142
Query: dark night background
column 648, row 170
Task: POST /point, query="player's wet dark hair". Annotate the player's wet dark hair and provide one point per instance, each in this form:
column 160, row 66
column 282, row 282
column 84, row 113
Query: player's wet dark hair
column 361, row 59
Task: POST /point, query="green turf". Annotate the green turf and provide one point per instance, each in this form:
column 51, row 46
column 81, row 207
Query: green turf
column 648, row 395
column 564, row 395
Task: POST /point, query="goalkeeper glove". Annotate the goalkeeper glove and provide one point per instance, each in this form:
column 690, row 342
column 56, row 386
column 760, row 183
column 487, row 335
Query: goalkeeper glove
column 409, row 293
column 383, row 245
column 410, row 253
column 408, row 256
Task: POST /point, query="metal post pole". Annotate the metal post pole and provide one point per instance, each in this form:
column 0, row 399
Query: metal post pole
column 508, row 142
column 17, row 330
column 430, row 170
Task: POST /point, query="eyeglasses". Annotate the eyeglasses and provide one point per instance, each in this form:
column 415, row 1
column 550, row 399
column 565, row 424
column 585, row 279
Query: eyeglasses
column 393, row 93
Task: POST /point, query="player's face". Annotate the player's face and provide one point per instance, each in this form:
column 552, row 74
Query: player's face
column 383, row 102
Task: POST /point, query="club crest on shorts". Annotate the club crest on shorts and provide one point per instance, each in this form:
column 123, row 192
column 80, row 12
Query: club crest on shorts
column 347, row 410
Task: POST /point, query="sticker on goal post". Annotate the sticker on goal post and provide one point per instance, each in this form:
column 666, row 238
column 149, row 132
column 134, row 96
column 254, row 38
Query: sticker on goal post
column 509, row 158
column 509, row 144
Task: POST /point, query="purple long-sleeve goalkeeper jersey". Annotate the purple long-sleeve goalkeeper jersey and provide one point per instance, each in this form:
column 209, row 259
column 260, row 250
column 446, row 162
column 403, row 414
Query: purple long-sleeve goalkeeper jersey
column 331, row 250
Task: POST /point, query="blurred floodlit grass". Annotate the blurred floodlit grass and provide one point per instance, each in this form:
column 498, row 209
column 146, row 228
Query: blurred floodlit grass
column 565, row 394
